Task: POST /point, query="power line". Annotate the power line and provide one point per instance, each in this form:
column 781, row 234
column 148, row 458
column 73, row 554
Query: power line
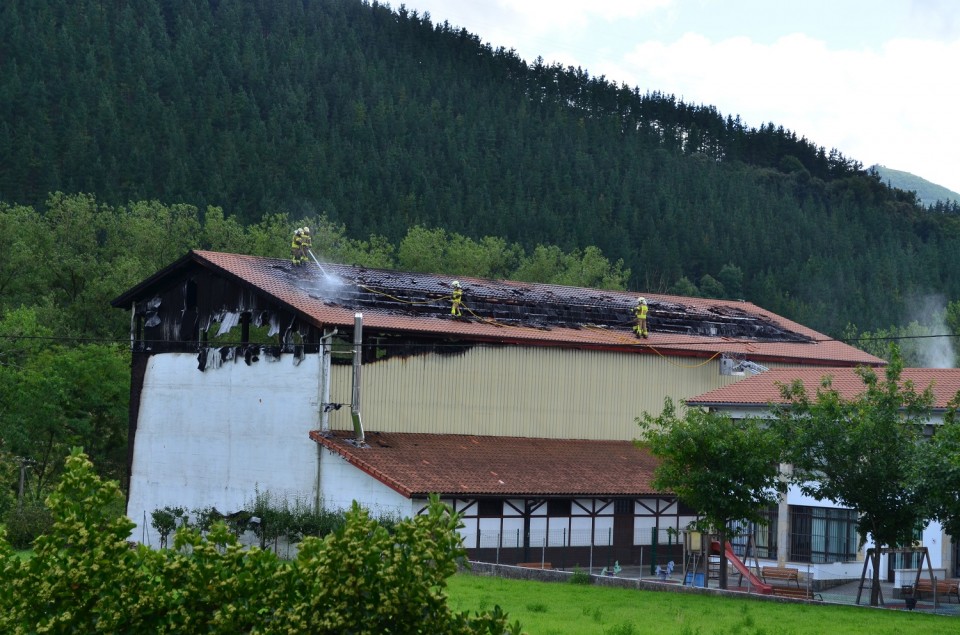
column 126, row 340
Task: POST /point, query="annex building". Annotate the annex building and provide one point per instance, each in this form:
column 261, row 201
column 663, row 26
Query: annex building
column 818, row 536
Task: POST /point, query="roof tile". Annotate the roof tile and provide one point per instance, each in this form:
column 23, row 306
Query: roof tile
column 764, row 389
column 417, row 464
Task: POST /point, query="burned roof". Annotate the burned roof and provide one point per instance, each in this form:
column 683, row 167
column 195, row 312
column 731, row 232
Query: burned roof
column 416, row 465
column 396, row 302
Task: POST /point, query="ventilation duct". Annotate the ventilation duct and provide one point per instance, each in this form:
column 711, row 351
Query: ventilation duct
column 355, row 400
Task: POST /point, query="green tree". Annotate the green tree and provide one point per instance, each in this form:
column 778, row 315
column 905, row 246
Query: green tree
column 731, row 277
column 55, row 397
column 952, row 317
column 683, row 286
column 940, row 471
column 920, row 345
column 725, row 469
column 861, row 453
column 710, row 287
column 588, row 268
column 362, row 578
column 21, row 229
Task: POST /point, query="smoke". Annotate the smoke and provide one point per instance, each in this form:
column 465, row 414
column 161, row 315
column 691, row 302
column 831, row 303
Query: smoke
column 933, row 352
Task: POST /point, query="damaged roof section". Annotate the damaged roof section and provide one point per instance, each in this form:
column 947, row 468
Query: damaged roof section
column 204, row 288
column 541, row 306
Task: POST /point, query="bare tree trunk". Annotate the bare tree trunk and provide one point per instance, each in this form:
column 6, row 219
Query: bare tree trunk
column 875, row 586
column 723, row 558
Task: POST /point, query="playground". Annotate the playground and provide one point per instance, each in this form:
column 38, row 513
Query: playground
column 698, row 570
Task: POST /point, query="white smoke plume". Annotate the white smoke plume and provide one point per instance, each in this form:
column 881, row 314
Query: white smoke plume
column 933, row 352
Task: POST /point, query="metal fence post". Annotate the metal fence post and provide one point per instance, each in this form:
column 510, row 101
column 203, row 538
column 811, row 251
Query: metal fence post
column 653, row 550
column 563, row 552
column 609, row 545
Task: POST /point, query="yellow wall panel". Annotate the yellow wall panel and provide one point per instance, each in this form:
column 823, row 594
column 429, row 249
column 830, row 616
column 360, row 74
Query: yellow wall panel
column 521, row 391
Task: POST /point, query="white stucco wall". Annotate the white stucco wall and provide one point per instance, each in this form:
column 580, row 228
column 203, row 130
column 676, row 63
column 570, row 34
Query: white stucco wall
column 342, row 483
column 215, row 438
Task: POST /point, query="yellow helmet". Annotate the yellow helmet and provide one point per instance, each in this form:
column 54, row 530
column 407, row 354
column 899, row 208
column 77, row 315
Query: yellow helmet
column 306, row 230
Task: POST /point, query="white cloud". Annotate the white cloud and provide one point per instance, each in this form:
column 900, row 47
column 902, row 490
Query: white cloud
column 891, row 106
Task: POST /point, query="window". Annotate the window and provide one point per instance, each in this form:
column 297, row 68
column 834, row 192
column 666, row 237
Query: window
column 489, row 508
column 558, row 507
column 821, row 535
column 764, row 536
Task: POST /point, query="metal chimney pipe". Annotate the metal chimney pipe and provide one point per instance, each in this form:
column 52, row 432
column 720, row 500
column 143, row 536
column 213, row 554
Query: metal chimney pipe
column 325, row 350
column 355, row 401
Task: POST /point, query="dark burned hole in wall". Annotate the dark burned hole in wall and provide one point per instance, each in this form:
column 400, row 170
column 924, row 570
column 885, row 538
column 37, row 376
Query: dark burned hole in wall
column 383, row 346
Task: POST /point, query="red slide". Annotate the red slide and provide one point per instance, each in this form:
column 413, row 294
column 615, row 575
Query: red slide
column 761, row 586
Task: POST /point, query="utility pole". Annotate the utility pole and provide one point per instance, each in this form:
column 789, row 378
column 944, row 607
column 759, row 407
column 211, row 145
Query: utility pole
column 25, row 463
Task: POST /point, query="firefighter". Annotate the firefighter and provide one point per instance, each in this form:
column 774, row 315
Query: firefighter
column 640, row 314
column 296, row 246
column 305, row 243
column 457, row 299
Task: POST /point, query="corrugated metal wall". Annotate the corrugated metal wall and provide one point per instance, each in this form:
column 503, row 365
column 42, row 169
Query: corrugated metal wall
column 521, row 391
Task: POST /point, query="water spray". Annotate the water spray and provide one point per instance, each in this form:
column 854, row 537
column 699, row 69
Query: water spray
column 325, row 274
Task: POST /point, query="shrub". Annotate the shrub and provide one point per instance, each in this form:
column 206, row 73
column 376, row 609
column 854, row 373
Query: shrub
column 26, row 523
column 84, row 577
column 580, row 576
column 164, row 521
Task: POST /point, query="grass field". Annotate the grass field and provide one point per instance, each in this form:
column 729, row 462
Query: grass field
column 549, row 608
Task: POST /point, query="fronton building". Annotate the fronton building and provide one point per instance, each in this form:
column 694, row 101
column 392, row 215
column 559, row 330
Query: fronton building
column 333, row 383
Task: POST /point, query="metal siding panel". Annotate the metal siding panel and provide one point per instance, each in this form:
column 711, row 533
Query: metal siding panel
column 521, row 391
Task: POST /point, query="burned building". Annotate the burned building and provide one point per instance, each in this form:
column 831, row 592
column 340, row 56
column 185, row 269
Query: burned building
column 248, row 376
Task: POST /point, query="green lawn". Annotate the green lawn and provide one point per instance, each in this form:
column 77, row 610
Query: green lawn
column 549, row 608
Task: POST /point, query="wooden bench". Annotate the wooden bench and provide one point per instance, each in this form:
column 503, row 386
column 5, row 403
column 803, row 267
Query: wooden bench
column 535, row 565
column 780, row 574
column 800, row 594
column 949, row 588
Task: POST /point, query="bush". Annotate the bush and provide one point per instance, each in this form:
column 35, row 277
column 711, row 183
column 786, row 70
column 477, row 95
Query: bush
column 580, row 577
column 85, row 578
column 164, row 521
column 26, row 523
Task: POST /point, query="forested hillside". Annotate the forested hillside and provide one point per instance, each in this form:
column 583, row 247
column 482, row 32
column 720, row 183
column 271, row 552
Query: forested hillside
column 384, row 120
column 929, row 194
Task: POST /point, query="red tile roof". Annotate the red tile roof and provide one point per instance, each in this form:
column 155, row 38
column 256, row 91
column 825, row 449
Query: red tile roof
column 461, row 465
column 331, row 298
column 763, row 389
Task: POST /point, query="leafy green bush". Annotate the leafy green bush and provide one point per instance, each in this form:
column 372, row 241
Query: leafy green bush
column 85, row 578
column 8, row 479
column 165, row 521
column 580, row 576
column 26, row 523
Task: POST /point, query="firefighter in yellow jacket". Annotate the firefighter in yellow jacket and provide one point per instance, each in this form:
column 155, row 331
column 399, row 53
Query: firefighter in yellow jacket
column 305, row 244
column 640, row 316
column 296, row 246
column 457, row 299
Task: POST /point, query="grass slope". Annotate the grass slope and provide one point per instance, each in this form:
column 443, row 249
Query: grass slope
column 558, row 609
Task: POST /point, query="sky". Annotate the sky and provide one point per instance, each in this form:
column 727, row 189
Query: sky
column 878, row 80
